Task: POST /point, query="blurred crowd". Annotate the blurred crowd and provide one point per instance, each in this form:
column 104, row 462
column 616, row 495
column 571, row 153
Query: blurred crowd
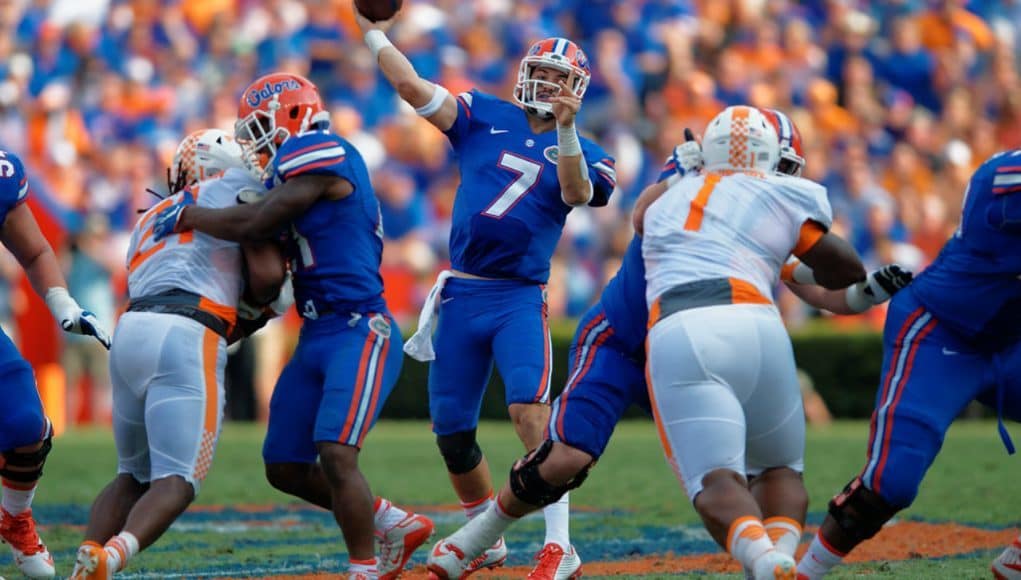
column 898, row 102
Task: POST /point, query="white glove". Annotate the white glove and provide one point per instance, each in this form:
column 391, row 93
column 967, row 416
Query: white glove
column 72, row 317
column 688, row 155
column 887, row 281
column 879, row 287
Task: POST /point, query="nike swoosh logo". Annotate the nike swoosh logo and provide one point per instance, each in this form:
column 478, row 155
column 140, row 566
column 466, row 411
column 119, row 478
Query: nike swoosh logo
column 948, row 352
column 495, row 131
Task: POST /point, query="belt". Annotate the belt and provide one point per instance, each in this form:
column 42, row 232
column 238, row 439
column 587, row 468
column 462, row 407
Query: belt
column 182, row 303
column 701, row 293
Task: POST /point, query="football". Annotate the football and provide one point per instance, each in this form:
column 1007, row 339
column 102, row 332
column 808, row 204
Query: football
column 376, row 10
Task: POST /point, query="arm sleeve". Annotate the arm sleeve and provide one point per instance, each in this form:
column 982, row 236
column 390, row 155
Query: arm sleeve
column 459, row 130
column 602, row 173
column 669, row 170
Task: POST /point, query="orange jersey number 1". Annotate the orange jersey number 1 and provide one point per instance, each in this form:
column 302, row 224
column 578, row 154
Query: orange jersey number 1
column 145, row 247
column 694, row 221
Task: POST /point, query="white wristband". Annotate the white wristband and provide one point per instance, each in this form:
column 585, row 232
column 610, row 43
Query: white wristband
column 567, row 140
column 429, row 109
column 376, row 40
column 856, row 298
column 60, row 303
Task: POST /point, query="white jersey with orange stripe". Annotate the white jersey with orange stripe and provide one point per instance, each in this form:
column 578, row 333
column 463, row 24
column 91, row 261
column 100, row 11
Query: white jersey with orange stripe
column 738, row 226
column 191, row 261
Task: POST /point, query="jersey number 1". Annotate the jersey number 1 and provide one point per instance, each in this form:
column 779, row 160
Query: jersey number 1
column 528, row 175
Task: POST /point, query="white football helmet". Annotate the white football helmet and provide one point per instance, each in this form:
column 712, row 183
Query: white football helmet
column 203, row 155
column 740, row 139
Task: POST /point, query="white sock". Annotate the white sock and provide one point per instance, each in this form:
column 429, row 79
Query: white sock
column 387, row 515
column 558, row 520
column 747, row 541
column 17, row 497
column 482, row 531
column 363, row 567
column 474, row 508
column 785, row 534
column 819, row 559
column 120, row 549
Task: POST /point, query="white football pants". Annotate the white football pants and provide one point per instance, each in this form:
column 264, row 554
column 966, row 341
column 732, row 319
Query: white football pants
column 725, row 392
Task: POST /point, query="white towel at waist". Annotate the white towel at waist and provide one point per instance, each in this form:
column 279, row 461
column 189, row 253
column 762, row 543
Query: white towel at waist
column 420, row 345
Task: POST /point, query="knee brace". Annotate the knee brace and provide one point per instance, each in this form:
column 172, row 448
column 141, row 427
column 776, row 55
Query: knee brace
column 529, row 486
column 30, row 464
column 460, row 451
column 859, row 511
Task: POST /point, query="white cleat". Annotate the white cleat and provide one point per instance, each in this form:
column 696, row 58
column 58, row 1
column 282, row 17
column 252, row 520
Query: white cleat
column 494, row 557
column 554, row 563
column 775, row 566
column 1007, row 566
column 30, row 554
column 447, row 561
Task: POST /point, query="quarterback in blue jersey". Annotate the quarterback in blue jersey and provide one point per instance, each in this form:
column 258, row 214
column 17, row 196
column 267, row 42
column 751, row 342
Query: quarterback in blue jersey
column 349, row 353
column 523, row 167
column 25, row 432
column 942, row 349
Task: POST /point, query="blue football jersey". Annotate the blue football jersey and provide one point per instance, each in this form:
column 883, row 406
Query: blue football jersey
column 13, row 183
column 623, row 299
column 334, row 247
column 974, row 284
column 508, row 213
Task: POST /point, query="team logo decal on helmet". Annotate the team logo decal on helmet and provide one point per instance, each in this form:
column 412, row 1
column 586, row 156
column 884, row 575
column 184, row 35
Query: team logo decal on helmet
column 272, row 109
column 256, row 95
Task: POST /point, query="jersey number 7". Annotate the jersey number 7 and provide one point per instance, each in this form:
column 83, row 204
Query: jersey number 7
column 528, row 175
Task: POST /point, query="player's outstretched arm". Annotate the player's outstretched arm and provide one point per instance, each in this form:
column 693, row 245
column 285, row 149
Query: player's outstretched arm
column 20, row 234
column 834, row 262
column 253, row 222
column 879, row 287
column 648, row 196
column 431, row 101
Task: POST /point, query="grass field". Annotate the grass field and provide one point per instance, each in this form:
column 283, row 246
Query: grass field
column 630, row 508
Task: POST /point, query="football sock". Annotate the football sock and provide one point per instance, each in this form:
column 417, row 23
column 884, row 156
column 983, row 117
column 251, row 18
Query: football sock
column 785, row 534
column 474, row 508
column 747, row 541
column 819, row 559
column 120, row 549
column 482, row 531
column 558, row 522
column 17, row 496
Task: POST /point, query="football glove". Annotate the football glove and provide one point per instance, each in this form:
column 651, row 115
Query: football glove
column 73, row 318
column 168, row 220
column 883, row 283
column 688, row 155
